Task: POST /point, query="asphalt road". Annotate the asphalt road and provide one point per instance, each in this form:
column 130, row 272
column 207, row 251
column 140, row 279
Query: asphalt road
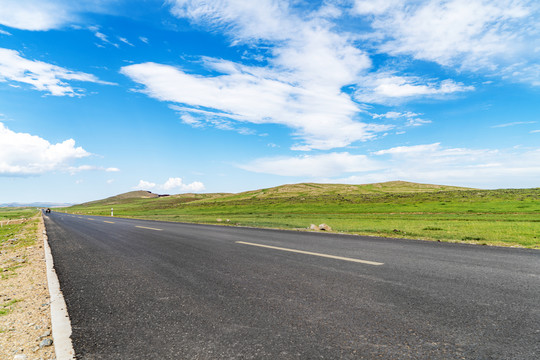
column 155, row 290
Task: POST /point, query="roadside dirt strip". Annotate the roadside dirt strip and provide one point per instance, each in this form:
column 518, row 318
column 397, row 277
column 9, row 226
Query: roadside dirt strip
column 25, row 323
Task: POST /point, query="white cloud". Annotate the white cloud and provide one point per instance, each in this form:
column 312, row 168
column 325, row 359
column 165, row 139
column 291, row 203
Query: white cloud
column 433, row 163
column 332, row 164
column 144, row 39
column 487, row 35
column 24, row 154
column 3, row 32
column 76, row 169
column 43, row 15
column 40, row 75
column 308, row 65
column 535, row 131
column 145, row 185
column 426, row 163
column 175, row 183
column 324, row 119
column 412, row 119
column 34, row 14
column 387, row 88
column 396, row 115
column 370, row 7
column 309, row 68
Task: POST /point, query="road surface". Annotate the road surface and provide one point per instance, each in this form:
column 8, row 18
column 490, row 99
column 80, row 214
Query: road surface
column 154, row 290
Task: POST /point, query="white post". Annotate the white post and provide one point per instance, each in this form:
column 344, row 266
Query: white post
column 112, row 212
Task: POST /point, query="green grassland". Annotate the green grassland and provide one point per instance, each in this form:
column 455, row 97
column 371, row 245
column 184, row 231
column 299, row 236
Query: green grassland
column 7, row 213
column 508, row 217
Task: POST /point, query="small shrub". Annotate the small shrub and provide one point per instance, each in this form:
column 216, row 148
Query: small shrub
column 433, row 228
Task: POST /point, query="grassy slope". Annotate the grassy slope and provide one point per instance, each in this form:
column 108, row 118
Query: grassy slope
column 397, row 209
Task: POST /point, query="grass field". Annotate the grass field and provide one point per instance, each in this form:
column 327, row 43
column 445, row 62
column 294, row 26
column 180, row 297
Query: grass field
column 8, row 213
column 508, row 217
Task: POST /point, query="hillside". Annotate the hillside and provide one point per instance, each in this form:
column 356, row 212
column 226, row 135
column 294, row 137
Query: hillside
column 395, row 209
column 314, row 189
column 122, row 198
column 302, row 190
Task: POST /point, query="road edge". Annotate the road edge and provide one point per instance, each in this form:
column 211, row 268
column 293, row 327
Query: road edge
column 60, row 323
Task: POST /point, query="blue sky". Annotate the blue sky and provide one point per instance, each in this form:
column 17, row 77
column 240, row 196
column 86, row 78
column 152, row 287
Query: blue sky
column 103, row 97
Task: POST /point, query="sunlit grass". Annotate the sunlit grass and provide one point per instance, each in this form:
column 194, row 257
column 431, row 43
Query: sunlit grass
column 509, row 217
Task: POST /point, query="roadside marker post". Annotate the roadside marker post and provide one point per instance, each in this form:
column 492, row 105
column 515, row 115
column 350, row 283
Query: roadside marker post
column 112, row 212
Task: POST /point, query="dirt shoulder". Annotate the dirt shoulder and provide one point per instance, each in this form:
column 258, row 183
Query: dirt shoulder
column 25, row 323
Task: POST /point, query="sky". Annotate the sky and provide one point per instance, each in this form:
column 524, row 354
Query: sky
column 103, row 97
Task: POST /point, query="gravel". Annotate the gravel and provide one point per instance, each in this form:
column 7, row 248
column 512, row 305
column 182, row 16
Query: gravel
column 22, row 328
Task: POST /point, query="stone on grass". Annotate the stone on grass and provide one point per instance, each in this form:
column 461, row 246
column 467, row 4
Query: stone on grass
column 313, row 227
column 324, row 227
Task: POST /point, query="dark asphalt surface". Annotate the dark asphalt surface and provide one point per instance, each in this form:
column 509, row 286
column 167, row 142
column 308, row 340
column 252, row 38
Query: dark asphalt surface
column 192, row 292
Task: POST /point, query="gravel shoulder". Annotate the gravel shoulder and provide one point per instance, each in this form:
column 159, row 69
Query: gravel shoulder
column 25, row 324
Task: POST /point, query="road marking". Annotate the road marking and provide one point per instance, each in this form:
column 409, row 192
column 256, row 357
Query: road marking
column 109, row 222
column 79, row 217
column 313, row 253
column 90, row 219
column 144, row 227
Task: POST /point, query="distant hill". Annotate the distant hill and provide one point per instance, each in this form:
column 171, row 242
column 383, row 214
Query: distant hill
column 314, row 189
column 36, row 204
column 123, row 198
column 283, row 191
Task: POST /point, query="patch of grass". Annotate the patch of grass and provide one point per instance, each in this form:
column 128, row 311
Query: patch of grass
column 9, row 271
column 433, row 228
column 7, row 306
column 15, row 236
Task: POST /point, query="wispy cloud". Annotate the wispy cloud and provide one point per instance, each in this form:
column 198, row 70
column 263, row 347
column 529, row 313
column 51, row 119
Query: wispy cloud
column 125, row 41
column 324, row 119
column 102, row 37
column 40, row 75
column 312, row 165
column 308, row 65
column 422, row 163
column 390, row 89
column 411, row 119
column 3, row 32
column 477, row 35
column 514, row 124
column 290, row 91
column 76, row 169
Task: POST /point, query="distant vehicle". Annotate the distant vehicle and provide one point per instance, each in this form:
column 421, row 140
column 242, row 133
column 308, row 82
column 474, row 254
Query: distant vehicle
column 48, row 210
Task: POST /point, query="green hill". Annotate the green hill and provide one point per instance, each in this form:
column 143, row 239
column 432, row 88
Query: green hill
column 397, row 209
